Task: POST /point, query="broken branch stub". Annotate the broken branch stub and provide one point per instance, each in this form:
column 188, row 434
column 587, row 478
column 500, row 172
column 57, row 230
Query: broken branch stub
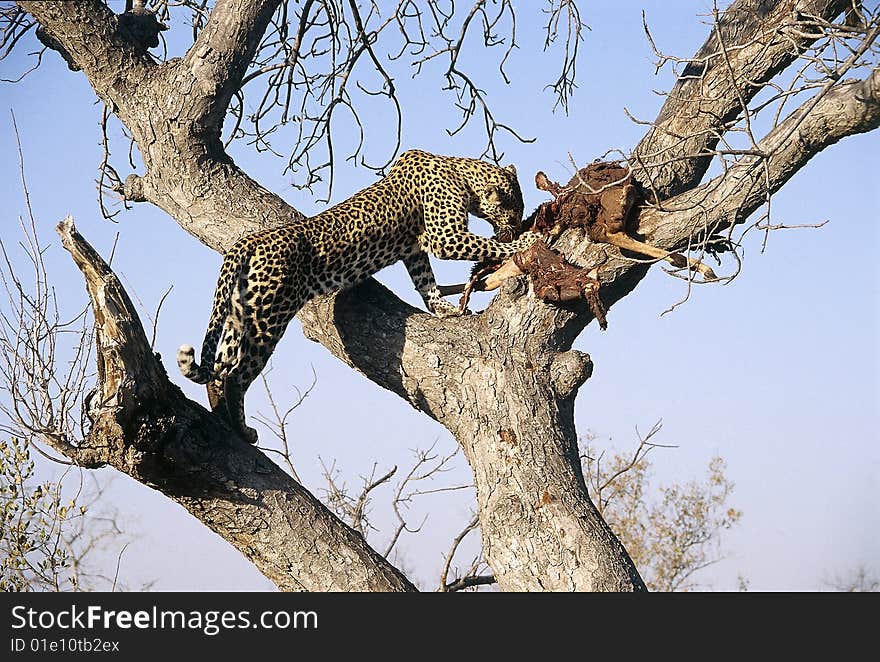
column 123, row 351
column 144, row 426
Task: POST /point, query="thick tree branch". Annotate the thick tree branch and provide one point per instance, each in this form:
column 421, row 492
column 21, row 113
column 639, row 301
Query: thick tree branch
column 144, row 426
column 844, row 109
column 760, row 39
column 848, row 108
column 167, row 108
column 89, row 33
column 516, row 427
column 223, row 51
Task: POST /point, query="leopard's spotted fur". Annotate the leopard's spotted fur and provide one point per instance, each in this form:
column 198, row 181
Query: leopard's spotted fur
column 421, row 206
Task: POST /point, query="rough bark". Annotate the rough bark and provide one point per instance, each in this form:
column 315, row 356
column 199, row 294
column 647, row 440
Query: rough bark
column 503, row 382
column 506, row 391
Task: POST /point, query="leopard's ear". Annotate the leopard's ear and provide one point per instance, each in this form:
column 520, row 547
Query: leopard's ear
column 511, row 169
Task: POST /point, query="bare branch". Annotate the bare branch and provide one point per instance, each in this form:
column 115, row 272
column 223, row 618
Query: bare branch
column 224, row 49
column 354, row 507
column 564, row 86
column 470, row 581
column 427, row 466
column 860, row 579
column 760, row 41
column 445, row 585
column 44, row 393
column 846, row 109
column 278, row 424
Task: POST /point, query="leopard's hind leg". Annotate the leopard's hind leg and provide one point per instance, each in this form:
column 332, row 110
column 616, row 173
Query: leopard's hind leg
column 266, row 300
column 229, row 349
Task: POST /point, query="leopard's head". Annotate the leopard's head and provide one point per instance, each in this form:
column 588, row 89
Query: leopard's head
column 500, row 202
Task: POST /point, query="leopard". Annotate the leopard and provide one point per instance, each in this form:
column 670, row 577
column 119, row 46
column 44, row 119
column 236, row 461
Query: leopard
column 419, row 207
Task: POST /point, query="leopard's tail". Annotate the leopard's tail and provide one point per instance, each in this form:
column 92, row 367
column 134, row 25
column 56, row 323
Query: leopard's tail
column 186, row 361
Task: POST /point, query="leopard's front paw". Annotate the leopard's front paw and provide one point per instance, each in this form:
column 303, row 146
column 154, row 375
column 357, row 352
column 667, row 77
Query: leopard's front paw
column 445, row 309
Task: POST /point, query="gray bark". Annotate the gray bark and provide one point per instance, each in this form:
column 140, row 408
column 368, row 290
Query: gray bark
column 503, row 382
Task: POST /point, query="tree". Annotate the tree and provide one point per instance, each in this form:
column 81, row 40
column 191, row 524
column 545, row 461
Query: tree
column 672, row 538
column 671, row 532
column 50, row 540
column 856, row 580
column 510, row 409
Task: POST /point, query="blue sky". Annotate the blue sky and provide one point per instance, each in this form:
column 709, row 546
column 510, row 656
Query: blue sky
column 776, row 372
